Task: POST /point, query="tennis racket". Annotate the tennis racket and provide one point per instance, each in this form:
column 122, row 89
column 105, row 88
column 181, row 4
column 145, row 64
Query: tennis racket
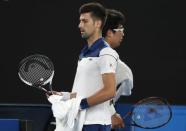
column 36, row 71
column 150, row 113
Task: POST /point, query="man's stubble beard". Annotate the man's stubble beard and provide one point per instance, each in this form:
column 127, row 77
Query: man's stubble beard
column 85, row 36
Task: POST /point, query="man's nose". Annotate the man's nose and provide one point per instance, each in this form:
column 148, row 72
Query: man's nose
column 80, row 25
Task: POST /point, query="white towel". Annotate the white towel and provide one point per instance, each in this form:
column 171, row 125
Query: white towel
column 67, row 114
column 124, row 89
column 78, row 123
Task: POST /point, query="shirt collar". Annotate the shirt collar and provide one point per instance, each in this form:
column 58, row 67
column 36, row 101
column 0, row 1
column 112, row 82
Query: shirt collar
column 96, row 44
column 94, row 49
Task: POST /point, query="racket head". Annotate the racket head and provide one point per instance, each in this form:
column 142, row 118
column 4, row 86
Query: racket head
column 36, row 70
column 151, row 113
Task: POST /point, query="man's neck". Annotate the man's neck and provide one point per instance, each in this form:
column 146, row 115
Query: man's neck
column 108, row 41
column 92, row 39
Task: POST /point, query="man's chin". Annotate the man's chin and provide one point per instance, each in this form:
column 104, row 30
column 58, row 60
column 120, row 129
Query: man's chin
column 116, row 45
column 84, row 37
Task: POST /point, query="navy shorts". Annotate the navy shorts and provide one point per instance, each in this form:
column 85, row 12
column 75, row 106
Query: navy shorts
column 96, row 127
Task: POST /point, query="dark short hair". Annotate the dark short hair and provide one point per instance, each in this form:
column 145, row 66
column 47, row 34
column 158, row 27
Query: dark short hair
column 96, row 9
column 114, row 19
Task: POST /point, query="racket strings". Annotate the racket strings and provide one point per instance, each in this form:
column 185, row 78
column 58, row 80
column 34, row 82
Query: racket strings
column 151, row 113
column 36, row 74
column 36, row 70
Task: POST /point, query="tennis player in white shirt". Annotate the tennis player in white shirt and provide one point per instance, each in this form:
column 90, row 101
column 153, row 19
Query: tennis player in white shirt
column 113, row 32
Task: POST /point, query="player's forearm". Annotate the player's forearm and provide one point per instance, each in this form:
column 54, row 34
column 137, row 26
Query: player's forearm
column 106, row 93
column 101, row 96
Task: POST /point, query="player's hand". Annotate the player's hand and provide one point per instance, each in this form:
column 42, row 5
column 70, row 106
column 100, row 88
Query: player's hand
column 117, row 121
column 53, row 93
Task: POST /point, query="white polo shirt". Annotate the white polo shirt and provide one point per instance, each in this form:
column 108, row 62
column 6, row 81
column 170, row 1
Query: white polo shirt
column 100, row 58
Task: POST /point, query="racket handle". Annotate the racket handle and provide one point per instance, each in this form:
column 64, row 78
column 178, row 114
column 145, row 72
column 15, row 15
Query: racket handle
column 47, row 92
column 43, row 89
column 128, row 113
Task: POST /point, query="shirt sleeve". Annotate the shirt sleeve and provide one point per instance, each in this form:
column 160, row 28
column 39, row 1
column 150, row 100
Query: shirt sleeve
column 108, row 60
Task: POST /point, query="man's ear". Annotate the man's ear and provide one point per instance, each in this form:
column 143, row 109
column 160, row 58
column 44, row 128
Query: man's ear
column 109, row 33
column 98, row 23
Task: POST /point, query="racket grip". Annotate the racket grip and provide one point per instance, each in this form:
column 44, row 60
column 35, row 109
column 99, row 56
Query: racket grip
column 43, row 89
column 128, row 113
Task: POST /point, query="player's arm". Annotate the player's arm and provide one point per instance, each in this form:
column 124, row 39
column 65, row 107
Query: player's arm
column 106, row 93
column 65, row 95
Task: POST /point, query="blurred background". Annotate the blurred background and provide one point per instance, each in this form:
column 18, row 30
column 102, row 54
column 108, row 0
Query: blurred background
column 153, row 47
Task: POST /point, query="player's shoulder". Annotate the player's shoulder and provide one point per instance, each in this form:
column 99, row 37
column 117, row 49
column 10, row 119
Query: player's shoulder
column 109, row 51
